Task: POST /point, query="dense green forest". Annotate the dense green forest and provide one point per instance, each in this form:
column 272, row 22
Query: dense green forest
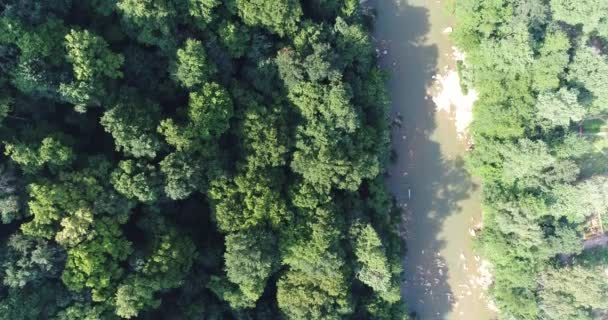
column 540, row 145
column 200, row 159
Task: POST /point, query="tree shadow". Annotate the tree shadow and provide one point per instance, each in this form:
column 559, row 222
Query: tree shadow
column 427, row 187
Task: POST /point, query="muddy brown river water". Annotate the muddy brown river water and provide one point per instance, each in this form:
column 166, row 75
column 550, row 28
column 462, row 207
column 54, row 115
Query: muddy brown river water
column 441, row 201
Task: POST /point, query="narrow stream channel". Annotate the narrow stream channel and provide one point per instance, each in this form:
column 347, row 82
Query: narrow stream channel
column 441, row 201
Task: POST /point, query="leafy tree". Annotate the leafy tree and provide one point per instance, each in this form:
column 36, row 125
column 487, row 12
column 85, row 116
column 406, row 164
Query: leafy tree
column 587, row 13
column 75, row 228
column 588, row 70
column 578, row 202
column 230, row 293
column 84, row 311
column 573, row 292
column 203, row 10
column 247, row 200
column 10, row 189
column 281, row 17
column 182, row 174
column 50, row 202
column 375, row 268
column 42, row 41
column 380, row 309
column 96, row 263
column 92, row 62
column 170, row 258
column 560, row 108
column 151, row 22
column 210, row 110
column 31, row 302
column 529, row 164
column 315, row 286
column 10, row 209
column 30, row 260
column 330, row 161
column 218, row 179
column 551, row 65
column 90, row 56
column 192, row 67
column 250, row 260
column 133, row 127
column 537, row 67
column 137, row 180
column 264, row 136
column 51, row 151
column 235, row 37
column 134, row 295
column 36, row 12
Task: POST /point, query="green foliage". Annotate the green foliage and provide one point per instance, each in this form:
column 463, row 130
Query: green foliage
column 265, row 137
column 91, row 57
column 560, row 108
column 84, row 311
column 75, row 192
column 192, row 67
column 92, row 62
column 164, row 266
column 336, row 157
column 150, row 22
column 30, row 260
column 235, row 37
column 132, row 123
column 31, row 303
column 202, row 10
column 96, row 263
column 375, row 268
column 588, row 13
column 10, row 209
column 588, row 70
column 315, row 286
column 280, row 16
column 137, row 180
column 135, row 295
column 230, row 293
column 539, row 70
column 75, row 228
column 10, row 201
column 209, row 110
column 551, row 65
column 226, row 152
column 51, row 152
column 250, row 260
column 35, row 42
column 170, row 259
column 573, row 292
column 247, row 200
column 182, row 175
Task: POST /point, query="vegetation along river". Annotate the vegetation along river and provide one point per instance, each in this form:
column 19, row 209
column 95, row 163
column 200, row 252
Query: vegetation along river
column 440, row 201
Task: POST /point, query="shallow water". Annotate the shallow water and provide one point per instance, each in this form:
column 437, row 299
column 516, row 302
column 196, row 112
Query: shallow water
column 441, row 201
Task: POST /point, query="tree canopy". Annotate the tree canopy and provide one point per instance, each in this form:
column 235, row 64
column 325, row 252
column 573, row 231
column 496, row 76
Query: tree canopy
column 538, row 69
column 194, row 159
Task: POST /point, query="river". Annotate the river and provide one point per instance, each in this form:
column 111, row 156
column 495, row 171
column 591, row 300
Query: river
column 441, row 201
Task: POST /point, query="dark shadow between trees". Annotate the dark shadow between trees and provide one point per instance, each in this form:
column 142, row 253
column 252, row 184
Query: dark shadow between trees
column 436, row 186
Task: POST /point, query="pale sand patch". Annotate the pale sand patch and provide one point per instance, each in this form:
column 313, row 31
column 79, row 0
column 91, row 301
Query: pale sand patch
column 449, row 98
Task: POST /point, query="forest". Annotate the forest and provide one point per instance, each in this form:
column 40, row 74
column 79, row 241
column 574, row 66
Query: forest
column 224, row 159
column 540, row 145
